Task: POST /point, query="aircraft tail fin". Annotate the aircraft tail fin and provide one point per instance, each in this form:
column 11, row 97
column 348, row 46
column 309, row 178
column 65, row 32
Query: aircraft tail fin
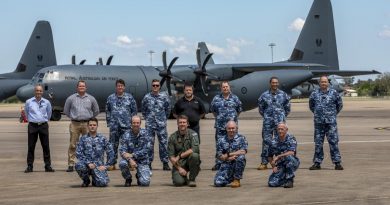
column 39, row 52
column 203, row 52
column 317, row 40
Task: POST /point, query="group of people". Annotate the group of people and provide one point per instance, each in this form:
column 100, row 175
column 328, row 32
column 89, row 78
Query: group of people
column 181, row 149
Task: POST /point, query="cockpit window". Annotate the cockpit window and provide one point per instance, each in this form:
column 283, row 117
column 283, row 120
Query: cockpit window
column 52, row 75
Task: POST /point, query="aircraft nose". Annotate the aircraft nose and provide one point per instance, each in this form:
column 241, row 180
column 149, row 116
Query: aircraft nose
column 25, row 92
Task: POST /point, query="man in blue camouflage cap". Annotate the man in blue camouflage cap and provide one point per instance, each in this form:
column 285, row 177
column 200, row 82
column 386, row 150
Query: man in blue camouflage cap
column 90, row 154
column 274, row 106
column 325, row 103
column 156, row 110
column 225, row 107
column 120, row 107
column 283, row 158
column 231, row 151
column 135, row 146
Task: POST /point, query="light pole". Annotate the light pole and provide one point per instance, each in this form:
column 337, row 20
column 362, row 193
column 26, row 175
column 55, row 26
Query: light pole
column 272, row 51
column 151, row 57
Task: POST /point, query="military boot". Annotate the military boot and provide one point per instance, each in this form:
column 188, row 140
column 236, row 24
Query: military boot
column 315, row 166
column 166, row 167
column 235, row 183
column 338, row 166
column 289, row 184
column 128, row 182
column 262, row 167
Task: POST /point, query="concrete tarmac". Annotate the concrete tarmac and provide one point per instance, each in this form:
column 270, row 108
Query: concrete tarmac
column 364, row 128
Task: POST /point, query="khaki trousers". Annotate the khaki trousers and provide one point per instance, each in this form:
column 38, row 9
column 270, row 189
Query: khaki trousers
column 75, row 129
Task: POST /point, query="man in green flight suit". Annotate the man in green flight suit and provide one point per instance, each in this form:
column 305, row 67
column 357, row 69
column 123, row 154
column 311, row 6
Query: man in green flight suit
column 183, row 152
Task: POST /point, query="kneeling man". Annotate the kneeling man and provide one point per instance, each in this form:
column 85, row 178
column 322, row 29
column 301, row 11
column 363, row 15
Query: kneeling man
column 231, row 150
column 134, row 150
column 183, row 151
column 90, row 154
column 282, row 156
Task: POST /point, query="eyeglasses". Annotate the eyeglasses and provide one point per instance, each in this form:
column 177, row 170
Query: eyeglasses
column 155, row 85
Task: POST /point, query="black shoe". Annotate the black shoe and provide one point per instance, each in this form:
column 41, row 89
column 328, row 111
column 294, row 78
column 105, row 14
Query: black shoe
column 48, row 168
column 315, row 166
column 28, row 169
column 85, row 183
column 128, row 183
column 166, row 167
column 70, row 169
column 338, row 166
column 150, row 166
column 289, row 184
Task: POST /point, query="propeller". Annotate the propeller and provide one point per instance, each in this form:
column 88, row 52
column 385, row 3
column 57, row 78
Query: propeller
column 108, row 62
column 201, row 73
column 166, row 74
column 74, row 60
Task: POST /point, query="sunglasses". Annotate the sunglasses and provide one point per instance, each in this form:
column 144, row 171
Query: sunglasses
column 155, row 85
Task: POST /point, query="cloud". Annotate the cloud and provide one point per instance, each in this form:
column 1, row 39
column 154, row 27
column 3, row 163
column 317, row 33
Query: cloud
column 232, row 48
column 123, row 41
column 297, row 24
column 178, row 45
column 385, row 33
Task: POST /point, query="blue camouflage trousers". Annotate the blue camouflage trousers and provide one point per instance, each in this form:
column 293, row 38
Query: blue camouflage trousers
column 143, row 172
column 162, row 136
column 116, row 134
column 229, row 171
column 219, row 133
column 330, row 131
column 286, row 168
column 268, row 132
column 99, row 178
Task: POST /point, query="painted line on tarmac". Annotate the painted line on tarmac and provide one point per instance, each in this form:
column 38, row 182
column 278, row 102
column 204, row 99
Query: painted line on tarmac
column 346, row 142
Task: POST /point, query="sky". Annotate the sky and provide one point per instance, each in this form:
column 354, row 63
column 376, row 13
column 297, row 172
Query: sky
column 236, row 31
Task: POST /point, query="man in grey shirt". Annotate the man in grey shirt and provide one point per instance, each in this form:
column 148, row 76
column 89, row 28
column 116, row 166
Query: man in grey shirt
column 79, row 107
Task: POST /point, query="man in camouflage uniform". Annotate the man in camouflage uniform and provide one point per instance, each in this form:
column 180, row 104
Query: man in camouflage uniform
column 283, row 159
column 231, row 151
column 90, row 154
column 325, row 103
column 156, row 110
column 120, row 107
column 274, row 106
column 135, row 146
column 225, row 107
column 183, row 150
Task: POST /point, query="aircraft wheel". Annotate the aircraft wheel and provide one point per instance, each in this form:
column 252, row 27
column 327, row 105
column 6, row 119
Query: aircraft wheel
column 56, row 115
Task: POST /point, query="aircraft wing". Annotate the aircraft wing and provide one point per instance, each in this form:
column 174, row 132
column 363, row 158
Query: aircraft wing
column 344, row 73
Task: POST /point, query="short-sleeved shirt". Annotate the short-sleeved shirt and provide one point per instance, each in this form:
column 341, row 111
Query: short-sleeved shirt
column 325, row 105
column 274, row 107
column 225, row 109
column 279, row 147
column 226, row 145
column 81, row 107
column 193, row 109
column 120, row 110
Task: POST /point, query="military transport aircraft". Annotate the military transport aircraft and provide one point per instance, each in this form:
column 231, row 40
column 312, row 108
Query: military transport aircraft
column 39, row 53
column 315, row 54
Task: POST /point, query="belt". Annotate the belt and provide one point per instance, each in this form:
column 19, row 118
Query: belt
column 38, row 123
column 79, row 120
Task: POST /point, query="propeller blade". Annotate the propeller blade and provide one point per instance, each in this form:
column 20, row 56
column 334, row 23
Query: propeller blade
column 82, row 62
column 203, row 84
column 100, row 61
column 162, row 81
column 172, row 62
column 198, row 59
column 169, row 86
column 73, row 59
column 164, row 59
column 109, row 60
column 206, row 60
